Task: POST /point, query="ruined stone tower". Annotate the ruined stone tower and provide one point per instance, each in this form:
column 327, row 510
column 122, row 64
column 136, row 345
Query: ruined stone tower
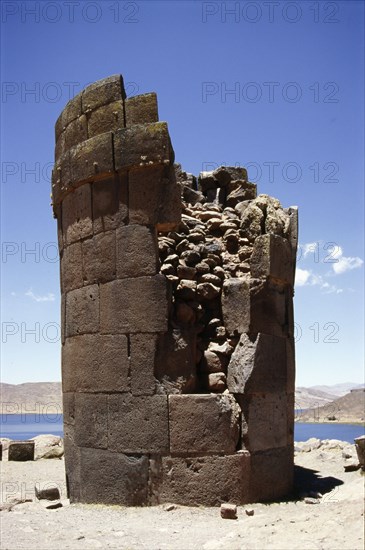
column 177, row 347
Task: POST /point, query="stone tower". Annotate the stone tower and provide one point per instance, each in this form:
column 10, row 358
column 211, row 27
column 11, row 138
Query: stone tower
column 177, row 349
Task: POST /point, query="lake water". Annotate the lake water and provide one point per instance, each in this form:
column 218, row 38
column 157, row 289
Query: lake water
column 17, row 426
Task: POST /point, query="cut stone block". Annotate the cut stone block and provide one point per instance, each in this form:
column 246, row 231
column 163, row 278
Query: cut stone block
column 267, row 421
column 75, row 132
column 63, row 318
column 91, row 420
column 175, row 362
column 293, row 234
column 137, row 251
column 142, row 146
column 271, row 474
column 92, row 158
column 76, row 215
column 290, row 365
column 61, row 179
column 98, row 258
column 95, row 363
column 71, row 267
column 107, row 118
column 236, row 305
column 141, row 109
column 82, row 310
column 258, row 364
column 206, row 481
column 113, row 478
column 138, row 424
column 272, row 257
column 134, row 305
column 69, row 113
column 103, row 92
column 68, row 400
column 203, row 424
column 21, row 451
column 72, row 463
column 154, row 198
column 269, row 308
column 110, row 203
column 142, row 363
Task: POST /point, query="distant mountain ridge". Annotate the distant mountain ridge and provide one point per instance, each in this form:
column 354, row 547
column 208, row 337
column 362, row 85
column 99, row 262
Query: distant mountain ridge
column 347, row 408
column 32, row 397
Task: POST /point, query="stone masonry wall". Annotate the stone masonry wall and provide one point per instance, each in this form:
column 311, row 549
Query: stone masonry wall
column 177, row 319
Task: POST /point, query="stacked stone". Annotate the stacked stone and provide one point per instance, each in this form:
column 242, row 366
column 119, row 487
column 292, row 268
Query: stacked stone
column 231, row 263
column 177, row 341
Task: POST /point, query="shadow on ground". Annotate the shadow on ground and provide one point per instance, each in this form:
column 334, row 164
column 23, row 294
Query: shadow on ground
column 307, row 480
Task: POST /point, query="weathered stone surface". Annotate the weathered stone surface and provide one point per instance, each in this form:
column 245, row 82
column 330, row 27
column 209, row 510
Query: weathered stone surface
column 61, row 178
column 175, row 361
column 113, row 478
column 206, row 481
column 243, row 192
column 71, row 267
column 236, row 305
column 271, row 474
column 107, row 118
column 92, row 158
column 138, row 424
column 267, row 421
column 134, row 305
column 228, row 511
column 91, row 419
column 142, row 146
column 203, row 424
column 272, row 257
column 141, row 109
column 258, row 364
column 103, row 92
column 82, row 310
column 75, row 132
column 72, row 463
column 95, row 363
column 21, row 451
column 360, row 450
column 142, row 363
column 68, row 409
column 225, row 174
column 213, row 362
column 252, row 221
column 269, row 308
column 154, row 198
column 136, row 251
column 99, row 258
column 47, row 446
column 76, row 215
column 110, row 203
column 69, row 113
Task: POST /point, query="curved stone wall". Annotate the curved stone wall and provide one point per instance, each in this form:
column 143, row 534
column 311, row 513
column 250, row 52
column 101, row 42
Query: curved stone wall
column 177, row 347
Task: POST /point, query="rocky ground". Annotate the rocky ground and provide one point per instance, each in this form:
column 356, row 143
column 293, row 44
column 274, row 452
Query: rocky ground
column 326, row 512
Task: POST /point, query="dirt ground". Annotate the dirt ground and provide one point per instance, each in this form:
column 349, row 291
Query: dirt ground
column 334, row 521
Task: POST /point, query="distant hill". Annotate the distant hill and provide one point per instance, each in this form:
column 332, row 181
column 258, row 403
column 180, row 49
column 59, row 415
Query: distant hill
column 348, row 408
column 337, row 389
column 31, row 397
column 306, row 398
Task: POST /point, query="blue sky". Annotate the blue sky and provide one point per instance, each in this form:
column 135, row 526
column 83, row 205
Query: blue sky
column 277, row 87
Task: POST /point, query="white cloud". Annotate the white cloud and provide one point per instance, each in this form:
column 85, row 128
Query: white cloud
column 50, row 297
column 301, row 276
column 309, row 248
column 13, row 293
column 346, row 263
column 305, row 277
